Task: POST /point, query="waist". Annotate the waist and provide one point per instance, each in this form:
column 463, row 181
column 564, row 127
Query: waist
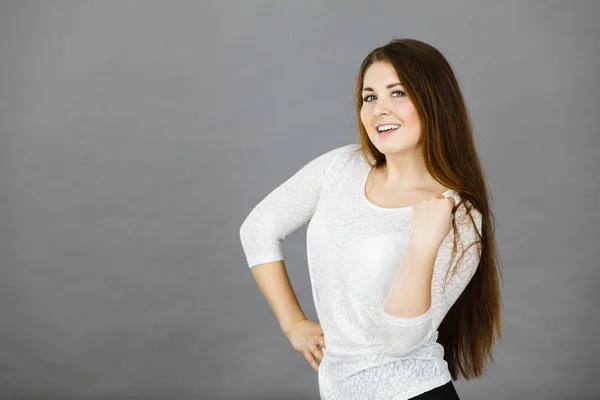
column 340, row 367
column 340, row 349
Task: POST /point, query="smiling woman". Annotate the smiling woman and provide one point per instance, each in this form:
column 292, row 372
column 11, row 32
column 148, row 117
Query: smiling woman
column 400, row 244
column 386, row 109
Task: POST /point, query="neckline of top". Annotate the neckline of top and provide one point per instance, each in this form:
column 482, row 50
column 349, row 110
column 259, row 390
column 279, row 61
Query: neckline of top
column 365, row 199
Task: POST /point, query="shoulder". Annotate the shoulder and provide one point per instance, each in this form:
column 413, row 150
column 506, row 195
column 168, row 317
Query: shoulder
column 346, row 150
column 338, row 155
column 468, row 220
column 337, row 159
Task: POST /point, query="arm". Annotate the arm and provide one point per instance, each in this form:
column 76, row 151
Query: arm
column 416, row 302
column 410, row 293
column 274, row 283
column 285, row 209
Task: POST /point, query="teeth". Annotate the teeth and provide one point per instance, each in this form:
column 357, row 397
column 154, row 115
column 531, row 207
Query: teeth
column 387, row 127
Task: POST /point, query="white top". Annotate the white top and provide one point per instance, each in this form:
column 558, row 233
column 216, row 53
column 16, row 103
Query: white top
column 354, row 250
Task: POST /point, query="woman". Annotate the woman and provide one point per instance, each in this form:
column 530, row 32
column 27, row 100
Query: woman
column 401, row 248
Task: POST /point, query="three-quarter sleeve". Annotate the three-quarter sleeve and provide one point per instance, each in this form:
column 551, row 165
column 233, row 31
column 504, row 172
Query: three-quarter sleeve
column 288, row 207
column 403, row 336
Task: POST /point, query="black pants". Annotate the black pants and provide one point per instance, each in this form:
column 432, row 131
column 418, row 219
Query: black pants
column 444, row 392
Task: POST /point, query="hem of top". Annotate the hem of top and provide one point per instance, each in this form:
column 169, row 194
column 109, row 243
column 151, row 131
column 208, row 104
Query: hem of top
column 425, row 387
column 405, row 321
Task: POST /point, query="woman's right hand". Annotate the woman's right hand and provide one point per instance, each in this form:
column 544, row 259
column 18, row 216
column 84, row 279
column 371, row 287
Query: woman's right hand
column 306, row 336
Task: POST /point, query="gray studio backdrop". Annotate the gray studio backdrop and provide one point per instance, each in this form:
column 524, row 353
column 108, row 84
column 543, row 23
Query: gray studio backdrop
column 137, row 135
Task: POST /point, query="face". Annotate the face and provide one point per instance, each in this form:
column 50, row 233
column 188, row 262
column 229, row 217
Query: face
column 386, row 103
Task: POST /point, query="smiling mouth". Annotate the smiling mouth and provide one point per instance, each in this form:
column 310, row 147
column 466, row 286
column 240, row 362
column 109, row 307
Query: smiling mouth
column 387, row 129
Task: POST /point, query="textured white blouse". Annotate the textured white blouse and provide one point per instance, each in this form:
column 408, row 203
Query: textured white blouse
column 354, row 249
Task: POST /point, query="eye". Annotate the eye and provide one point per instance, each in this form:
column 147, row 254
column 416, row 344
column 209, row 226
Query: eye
column 400, row 94
column 366, row 97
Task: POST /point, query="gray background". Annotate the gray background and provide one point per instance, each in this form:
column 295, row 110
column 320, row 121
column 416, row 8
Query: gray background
column 137, row 135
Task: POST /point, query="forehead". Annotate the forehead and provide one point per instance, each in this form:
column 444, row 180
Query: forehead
column 380, row 74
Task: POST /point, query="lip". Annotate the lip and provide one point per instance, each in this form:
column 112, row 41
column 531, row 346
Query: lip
column 383, row 134
column 385, row 123
column 386, row 134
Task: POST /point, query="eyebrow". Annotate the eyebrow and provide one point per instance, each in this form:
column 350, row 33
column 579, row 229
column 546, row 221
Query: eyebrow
column 391, row 85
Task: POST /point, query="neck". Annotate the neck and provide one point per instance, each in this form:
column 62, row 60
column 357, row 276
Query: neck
column 406, row 172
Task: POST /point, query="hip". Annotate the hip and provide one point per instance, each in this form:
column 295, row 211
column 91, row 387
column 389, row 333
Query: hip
column 369, row 379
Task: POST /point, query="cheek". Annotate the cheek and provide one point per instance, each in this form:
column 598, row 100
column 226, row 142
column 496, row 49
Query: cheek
column 364, row 117
column 411, row 113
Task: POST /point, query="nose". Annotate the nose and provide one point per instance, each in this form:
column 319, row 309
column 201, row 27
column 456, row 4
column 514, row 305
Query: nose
column 380, row 108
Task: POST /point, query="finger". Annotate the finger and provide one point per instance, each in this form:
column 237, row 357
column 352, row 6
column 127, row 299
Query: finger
column 321, row 340
column 317, row 353
column 311, row 360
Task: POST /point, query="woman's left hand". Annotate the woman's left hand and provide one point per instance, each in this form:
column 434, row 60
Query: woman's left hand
column 431, row 222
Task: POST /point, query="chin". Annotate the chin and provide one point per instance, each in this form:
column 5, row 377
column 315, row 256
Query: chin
column 393, row 147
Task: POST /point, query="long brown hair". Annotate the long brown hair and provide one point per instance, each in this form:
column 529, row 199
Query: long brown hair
column 469, row 330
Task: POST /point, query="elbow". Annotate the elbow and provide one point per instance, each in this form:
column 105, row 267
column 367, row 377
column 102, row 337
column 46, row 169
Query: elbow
column 249, row 231
column 244, row 230
column 259, row 244
column 403, row 336
column 245, row 234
